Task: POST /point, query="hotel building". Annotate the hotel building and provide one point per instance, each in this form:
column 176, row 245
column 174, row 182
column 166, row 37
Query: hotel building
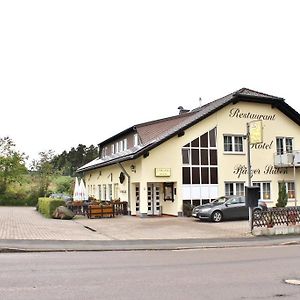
column 199, row 155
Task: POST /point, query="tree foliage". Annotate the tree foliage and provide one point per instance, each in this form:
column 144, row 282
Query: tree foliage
column 12, row 164
column 68, row 162
column 282, row 195
column 44, row 170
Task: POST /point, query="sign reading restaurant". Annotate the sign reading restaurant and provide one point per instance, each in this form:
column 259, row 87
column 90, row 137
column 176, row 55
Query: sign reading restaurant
column 162, row 172
column 237, row 113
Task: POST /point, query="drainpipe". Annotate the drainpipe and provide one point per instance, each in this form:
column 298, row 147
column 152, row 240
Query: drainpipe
column 128, row 177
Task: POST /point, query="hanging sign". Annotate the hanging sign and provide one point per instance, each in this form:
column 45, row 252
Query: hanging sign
column 255, row 130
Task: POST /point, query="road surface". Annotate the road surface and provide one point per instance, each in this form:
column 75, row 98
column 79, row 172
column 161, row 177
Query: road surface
column 236, row 273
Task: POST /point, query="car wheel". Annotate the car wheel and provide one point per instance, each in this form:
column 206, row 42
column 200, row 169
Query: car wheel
column 217, row 216
column 256, row 214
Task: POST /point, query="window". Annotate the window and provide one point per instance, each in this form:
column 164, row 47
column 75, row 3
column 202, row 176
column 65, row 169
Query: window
column 234, row 188
column 112, row 149
column 186, row 156
column 265, row 189
column 135, row 140
column 284, row 145
column 104, row 192
column 104, row 152
column 121, row 146
column 99, row 191
column 125, row 144
column 233, row 144
column 116, row 191
column 229, row 189
column 110, row 192
column 200, row 160
column 290, row 189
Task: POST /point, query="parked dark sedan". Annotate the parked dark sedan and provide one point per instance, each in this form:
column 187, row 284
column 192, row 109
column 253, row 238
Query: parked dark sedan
column 232, row 207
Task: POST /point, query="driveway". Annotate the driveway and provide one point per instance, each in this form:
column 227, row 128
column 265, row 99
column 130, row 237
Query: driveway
column 25, row 223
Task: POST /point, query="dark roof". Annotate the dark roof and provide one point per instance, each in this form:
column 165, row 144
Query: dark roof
column 154, row 133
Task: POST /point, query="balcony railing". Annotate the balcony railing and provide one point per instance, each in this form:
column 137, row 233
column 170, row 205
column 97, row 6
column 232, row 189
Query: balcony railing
column 287, row 159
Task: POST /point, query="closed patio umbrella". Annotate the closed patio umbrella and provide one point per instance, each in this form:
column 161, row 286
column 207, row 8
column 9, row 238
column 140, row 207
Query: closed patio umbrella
column 83, row 192
column 76, row 190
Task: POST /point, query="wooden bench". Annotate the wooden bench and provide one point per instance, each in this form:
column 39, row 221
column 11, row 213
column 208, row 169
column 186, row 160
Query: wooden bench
column 100, row 211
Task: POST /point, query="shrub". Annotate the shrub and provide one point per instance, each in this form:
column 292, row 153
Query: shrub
column 46, row 206
column 187, row 209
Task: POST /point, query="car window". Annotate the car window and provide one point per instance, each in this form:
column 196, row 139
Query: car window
column 242, row 199
column 220, row 200
column 233, row 201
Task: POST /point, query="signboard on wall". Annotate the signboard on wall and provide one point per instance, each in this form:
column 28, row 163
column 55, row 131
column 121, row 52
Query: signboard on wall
column 162, row 172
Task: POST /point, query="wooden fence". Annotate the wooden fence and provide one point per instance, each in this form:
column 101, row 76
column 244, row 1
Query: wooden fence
column 277, row 216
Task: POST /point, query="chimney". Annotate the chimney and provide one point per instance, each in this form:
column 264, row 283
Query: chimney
column 200, row 101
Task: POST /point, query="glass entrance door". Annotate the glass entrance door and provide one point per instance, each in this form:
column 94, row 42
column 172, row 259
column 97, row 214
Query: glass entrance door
column 153, row 198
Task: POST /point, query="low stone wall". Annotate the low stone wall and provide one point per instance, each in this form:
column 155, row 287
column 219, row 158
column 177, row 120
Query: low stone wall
column 276, row 230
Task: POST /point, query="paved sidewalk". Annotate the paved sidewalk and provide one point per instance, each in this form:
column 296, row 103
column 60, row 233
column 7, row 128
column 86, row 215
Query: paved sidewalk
column 24, row 229
column 27, row 223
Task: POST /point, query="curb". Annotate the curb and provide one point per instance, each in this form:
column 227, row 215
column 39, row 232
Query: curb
column 25, row 246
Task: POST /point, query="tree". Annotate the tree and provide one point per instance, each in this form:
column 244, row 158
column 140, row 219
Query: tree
column 282, row 195
column 12, row 164
column 68, row 162
column 44, row 170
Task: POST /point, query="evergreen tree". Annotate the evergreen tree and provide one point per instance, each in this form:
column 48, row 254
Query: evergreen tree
column 282, row 195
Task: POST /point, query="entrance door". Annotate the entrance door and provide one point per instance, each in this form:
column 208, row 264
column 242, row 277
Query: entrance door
column 153, row 198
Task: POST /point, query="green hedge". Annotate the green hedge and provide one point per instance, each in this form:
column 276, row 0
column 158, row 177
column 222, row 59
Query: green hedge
column 46, row 206
column 19, row 199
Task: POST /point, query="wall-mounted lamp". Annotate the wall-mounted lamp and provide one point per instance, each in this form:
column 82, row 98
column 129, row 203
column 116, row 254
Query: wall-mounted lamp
column 133, row 169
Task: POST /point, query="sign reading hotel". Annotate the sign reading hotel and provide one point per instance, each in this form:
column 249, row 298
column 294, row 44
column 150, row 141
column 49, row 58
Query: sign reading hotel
column 162, row 172
column 255, row 130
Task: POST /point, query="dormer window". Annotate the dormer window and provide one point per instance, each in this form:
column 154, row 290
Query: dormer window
column 104, row 152
column 120, row 146
column 135, row 140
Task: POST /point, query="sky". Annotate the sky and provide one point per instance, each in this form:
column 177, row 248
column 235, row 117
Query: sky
column 78, row 72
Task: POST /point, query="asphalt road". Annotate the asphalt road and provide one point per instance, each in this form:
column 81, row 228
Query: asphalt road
column 235, row 273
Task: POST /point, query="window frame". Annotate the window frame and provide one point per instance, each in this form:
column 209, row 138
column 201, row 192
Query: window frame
column 233, row 144
column 261, row 185
column 284, row 149
column 234, row 188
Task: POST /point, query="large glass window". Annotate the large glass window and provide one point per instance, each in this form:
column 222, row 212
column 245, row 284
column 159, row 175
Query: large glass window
column 200, row 160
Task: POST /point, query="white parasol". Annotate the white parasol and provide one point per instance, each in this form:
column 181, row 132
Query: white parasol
column 83, row 192
column 76, row 190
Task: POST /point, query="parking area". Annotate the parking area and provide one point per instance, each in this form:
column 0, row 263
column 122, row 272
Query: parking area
column 27, row 223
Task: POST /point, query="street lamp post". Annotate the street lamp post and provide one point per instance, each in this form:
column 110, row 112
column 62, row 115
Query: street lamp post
column 249, row 175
